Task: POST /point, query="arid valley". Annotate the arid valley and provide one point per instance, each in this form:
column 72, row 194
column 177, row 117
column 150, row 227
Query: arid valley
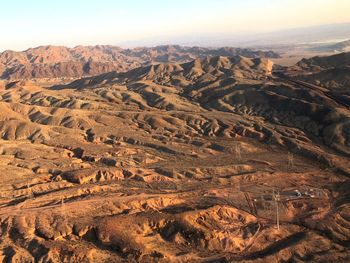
column 202, row 158
column 187, row 131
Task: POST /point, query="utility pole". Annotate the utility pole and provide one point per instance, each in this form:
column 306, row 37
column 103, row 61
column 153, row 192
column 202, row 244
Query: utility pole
column 63, row 208
column 277, row 198
column 237, row 151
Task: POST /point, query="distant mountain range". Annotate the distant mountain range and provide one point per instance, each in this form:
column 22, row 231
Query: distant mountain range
column 331, row 33
column 64, row 62
column 332, row 72
column 307, row 35
column 200, row 71
column 342, row 46
column 328, row 62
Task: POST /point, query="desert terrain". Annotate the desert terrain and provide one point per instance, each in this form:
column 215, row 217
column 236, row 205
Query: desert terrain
column 169, row 156
column 62, row 63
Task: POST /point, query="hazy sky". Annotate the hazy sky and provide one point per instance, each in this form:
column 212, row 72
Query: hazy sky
column 28, row 23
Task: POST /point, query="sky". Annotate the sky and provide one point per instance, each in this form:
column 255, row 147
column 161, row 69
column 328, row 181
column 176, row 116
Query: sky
column 30, row 23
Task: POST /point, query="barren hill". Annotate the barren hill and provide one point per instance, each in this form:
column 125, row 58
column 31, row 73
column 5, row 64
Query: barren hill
column 328, row 62
column 63, row 62
column 206, row 69
column 174, row 162
column 330, row 72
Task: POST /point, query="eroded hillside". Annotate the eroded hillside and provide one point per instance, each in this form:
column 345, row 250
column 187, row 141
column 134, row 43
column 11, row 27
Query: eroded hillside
column 175, row 162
